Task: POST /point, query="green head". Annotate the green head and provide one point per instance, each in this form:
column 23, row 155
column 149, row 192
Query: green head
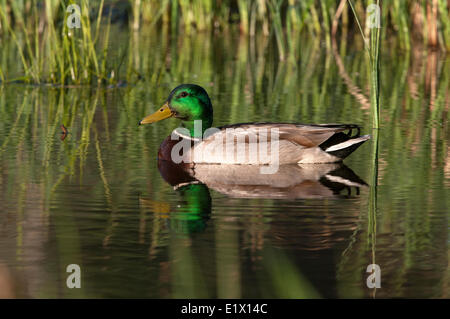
column 189, row 103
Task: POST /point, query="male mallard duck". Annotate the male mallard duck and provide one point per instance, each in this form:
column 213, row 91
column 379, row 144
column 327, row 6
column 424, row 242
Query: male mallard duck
column 260, row 142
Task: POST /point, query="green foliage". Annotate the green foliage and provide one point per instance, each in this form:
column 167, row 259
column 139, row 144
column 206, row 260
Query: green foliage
column 53, row 53
column 50, row 52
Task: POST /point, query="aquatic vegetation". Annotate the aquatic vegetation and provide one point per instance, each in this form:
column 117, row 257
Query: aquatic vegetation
column 372, row 46
column 36, row 32
column 50, row 51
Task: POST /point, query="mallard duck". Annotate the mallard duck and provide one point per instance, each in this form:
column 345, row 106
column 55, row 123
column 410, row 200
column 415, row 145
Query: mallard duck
column 260, row 143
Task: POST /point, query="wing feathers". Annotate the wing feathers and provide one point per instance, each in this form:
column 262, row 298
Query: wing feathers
column 300, row 134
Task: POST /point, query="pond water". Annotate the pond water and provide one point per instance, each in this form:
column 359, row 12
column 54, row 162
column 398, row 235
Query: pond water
column 97, row 198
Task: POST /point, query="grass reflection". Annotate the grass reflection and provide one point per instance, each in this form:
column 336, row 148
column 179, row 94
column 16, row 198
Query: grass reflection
column 97, row 197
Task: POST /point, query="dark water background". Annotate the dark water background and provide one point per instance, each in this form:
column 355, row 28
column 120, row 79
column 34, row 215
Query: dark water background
column 97, row 199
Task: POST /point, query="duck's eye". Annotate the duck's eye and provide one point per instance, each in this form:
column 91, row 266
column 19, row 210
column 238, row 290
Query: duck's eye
column 184, row 94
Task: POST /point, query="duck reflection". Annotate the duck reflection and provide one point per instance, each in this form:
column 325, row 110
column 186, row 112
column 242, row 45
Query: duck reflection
column 193, row 182
column 245, row 181
column 194, row 210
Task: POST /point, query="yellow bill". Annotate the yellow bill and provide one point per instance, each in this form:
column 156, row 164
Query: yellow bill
column 163, row 113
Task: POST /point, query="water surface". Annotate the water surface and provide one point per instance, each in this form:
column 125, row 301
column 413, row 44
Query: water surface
column 97, row 198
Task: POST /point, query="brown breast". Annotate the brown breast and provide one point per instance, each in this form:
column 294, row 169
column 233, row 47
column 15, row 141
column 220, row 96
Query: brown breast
column 165, row 149
column 173, row 173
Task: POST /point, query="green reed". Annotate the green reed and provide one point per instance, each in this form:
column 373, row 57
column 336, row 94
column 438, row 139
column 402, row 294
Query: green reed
column 372, row 47
column 50, row 52
column 256, row 16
